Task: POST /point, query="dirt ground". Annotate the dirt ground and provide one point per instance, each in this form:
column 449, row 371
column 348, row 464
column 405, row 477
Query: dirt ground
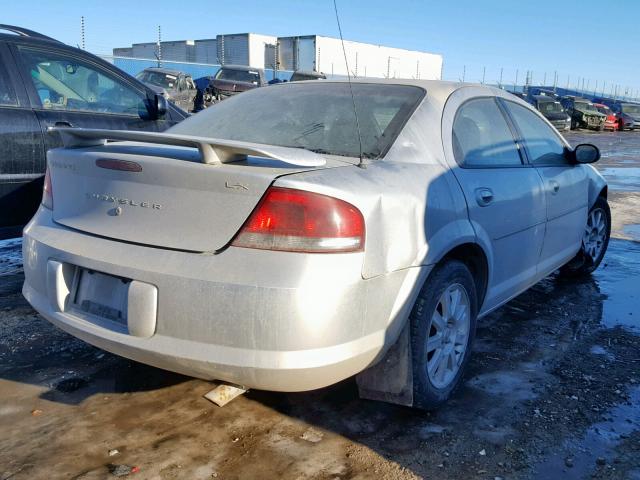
column 553, row 391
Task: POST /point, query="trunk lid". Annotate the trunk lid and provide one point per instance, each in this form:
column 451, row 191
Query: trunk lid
column 161, row 195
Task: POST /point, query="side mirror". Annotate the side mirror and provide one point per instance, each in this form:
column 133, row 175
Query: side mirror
column 161, row 106
column 586, row 153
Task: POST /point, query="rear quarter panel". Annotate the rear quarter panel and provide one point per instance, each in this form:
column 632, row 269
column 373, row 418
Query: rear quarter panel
column 413, row 207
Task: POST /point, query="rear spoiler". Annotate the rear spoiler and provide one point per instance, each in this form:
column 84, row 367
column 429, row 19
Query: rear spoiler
column 212, row 150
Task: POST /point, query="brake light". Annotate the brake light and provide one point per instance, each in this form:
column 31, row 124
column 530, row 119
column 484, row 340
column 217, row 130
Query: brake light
column 299, row 221
column 47, row 191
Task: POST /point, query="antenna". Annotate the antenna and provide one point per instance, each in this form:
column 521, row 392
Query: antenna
column 82, row 32
column 361, row 164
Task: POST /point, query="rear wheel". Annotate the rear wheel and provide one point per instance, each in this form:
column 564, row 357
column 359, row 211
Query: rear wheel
column 443, row 323
column 595, row 241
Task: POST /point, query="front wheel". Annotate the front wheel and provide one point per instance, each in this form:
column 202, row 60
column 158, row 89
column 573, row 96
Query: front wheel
column 595, row 240
column 443, row 323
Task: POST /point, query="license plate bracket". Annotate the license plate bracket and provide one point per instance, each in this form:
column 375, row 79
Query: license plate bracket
column 101, row 295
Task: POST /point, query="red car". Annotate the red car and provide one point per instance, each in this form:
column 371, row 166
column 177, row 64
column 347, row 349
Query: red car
column 611, row 123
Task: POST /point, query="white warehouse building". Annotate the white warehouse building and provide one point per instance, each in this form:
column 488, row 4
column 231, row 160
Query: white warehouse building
column 324, row 54
column 308, row 52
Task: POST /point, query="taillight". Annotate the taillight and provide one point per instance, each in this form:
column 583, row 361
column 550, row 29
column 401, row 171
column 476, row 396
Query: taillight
column 300, row 221
column 47, row 192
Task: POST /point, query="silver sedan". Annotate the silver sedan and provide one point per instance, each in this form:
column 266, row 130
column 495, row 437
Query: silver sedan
column 293, row 236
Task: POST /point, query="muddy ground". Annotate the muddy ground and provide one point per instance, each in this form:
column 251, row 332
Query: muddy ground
column 553, row 391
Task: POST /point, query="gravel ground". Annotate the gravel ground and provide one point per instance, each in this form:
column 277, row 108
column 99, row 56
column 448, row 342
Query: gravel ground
column 553, row 391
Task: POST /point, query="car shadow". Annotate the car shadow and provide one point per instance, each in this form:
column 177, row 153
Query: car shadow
column 518, row 362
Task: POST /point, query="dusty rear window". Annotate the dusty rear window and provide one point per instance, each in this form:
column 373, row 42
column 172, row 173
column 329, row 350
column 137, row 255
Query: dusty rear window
column 318, row 117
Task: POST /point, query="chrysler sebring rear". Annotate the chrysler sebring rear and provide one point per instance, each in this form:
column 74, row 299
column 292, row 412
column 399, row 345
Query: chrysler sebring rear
column 278, row 242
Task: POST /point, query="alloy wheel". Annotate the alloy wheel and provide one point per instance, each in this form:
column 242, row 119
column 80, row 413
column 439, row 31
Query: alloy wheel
column 448, row 335
column 595, row 234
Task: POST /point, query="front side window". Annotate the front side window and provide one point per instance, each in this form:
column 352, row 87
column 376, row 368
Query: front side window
column 481, row 136
column 542, row 143
column 67, row 83
column 315, row 116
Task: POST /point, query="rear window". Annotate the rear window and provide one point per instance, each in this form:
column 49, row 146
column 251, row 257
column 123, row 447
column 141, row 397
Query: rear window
column 249, row 76
column 317, row 116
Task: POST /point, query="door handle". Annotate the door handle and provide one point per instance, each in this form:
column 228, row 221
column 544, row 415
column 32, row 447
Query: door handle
column 484, row 196
column 555, row 186
column 63, row 123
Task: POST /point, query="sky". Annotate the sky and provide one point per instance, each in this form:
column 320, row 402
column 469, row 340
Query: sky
column 594, row 40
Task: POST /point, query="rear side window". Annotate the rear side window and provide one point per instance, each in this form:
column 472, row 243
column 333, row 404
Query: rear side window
column 481, row 136
column 542, row 143
column 7, row 94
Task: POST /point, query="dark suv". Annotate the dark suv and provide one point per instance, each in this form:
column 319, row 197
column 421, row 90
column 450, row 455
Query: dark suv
column 44, row 83
column 552, row 111
column 233, row 79
column 583, row 113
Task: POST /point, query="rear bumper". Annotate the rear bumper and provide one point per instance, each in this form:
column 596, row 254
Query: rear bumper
column 265, row 320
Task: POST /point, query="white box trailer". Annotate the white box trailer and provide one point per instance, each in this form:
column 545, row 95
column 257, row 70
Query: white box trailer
column 178, row 51
column 324, row 54
column 123, row 52
column 207, row 51
column 244, row 49
column 144, row 50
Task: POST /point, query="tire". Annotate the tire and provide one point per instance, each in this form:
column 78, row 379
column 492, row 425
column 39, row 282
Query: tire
column 620, row 126
column 592, row 250
column 448, row 282
column 599, row 129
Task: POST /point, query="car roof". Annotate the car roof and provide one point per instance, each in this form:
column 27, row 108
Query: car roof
column 600, row 105
column 310, row 73
column 168, row 71
column 245, row 68
column 545, row 98
column 23, row 34
column 437, row 90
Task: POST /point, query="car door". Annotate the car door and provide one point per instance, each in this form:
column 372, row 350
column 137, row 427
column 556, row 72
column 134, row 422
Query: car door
column 505, row 198
column 68, row 88
column 191, row 94
column 566, row 186
column 21, row 152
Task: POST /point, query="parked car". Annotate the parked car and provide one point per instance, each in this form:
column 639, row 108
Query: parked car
column 233, row 79
column 300, row 75
column 583, row 113
column 611, row 122
column 45, row 83
column 628, row 115
column 552, row 111
column 266, row 256
column 533, row 91
column 176, row 86
column 520, row 95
